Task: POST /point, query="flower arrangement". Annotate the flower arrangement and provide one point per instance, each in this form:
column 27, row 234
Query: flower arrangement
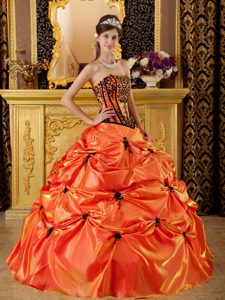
column 27, row 70
column 158, row 64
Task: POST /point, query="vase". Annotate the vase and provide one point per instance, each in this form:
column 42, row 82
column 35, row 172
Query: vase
column 151, row 80
column 29, row 77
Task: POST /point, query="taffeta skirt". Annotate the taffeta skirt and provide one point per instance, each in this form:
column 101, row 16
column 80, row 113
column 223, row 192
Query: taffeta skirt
column 113, row 220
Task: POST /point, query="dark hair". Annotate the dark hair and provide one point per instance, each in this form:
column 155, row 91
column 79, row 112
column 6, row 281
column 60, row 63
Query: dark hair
column 100, row 28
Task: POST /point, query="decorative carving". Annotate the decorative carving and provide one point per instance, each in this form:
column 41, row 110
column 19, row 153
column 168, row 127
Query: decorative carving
column 54, row 128
column 28, row 157
column 160, row 142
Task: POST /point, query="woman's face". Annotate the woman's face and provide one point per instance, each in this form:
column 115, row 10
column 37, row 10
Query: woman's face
column 108, row 40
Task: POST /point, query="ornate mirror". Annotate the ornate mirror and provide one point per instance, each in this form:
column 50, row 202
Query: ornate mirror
column 74, row 24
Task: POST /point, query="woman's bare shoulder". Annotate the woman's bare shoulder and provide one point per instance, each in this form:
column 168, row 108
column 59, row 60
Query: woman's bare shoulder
column 123, row 61
column 125, row 65
column 93, row 66
column 89, row 70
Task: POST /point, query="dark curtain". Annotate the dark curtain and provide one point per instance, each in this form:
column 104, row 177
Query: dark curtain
column 203, row 46
column 5, row 156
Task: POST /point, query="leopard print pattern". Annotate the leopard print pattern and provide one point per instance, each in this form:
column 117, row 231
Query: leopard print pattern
column 112, row 92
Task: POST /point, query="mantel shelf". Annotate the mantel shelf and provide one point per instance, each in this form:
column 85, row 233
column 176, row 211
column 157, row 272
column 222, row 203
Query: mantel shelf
column 87, row 97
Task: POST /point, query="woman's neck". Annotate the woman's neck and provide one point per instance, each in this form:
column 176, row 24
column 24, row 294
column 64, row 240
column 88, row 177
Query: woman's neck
column 107, row 58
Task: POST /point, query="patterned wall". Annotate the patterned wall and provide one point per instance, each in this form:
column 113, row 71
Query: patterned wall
column 221, row 108
column 3, row 44
column 45, row 40
column 138, row 28
column 204, row 109
column 5, row 152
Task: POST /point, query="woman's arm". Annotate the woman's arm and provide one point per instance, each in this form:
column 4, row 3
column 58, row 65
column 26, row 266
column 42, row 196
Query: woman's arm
column 67, row 99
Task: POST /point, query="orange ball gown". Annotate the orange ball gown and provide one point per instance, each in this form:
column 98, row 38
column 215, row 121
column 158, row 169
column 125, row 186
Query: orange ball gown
column 113, row 220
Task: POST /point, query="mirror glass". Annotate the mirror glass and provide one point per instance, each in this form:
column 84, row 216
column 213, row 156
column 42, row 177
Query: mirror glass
column 74, row 29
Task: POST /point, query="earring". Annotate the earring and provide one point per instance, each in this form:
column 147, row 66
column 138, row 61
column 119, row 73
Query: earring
column 113, row 55
column 94, row 50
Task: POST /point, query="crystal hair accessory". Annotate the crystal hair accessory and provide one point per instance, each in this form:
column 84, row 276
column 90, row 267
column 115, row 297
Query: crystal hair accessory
column 113, row 22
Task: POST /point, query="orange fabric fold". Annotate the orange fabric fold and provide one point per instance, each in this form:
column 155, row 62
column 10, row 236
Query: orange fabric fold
column 113, row 220
column 117, row 222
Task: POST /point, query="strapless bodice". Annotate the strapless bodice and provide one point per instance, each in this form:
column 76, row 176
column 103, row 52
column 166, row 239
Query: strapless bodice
column 112, row 92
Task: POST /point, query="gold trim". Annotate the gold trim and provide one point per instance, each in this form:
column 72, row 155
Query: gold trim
column 87, row 97
column 12, row 37
column 14, row 120
column 119, row 4
column 53, row 6
column 179, row 79
column 33, row 23
column 28, row 157
column 157, row 25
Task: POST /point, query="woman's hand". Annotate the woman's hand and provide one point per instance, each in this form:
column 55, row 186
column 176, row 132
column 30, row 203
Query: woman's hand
column 104, row 114
column 145, row 133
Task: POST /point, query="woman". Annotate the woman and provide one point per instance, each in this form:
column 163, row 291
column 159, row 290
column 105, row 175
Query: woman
column 113, row 219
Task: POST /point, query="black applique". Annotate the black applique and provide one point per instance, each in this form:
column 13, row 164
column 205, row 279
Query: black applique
column 118, row 196
column 41, row 207
column 170, row 187
column 50, row 231
column 126, row 144
column 157, row 220
column 117, row 236
column 85, row 216
column 151, row 150
column 184, row 234
column 65, row 190
column 87, row 158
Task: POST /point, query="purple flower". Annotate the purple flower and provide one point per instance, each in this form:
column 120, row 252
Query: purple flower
column 157, row 64
column 152, row 55
column 166, row 64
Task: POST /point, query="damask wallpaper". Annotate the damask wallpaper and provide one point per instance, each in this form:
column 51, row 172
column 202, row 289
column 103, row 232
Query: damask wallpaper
column 5, row 150
column 45, row 40
column 138, row 27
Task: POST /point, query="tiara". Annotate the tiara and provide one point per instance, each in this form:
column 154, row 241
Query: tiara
column 113, row 22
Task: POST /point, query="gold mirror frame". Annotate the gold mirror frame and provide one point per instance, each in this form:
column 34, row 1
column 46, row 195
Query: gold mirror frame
column 53, row 6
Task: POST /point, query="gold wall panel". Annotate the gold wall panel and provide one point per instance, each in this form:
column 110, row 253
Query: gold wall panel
column 27, row 141
column 42, row 130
